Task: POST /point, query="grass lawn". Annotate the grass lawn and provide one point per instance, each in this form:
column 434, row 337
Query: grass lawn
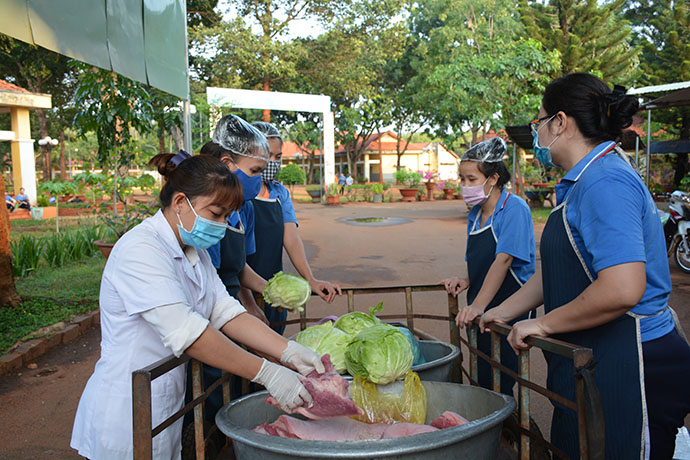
column 51, row 295
column 46, row 227
column 539, row 215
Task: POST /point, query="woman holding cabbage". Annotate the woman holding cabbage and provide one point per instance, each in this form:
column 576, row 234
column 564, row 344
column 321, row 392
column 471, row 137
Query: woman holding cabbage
column 275, row 226
column 500, row 254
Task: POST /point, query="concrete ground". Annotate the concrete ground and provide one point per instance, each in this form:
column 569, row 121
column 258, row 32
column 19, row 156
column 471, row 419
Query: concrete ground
column 37, row 407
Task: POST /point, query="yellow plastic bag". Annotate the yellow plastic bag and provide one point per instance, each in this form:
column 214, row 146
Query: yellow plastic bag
column 396, row 402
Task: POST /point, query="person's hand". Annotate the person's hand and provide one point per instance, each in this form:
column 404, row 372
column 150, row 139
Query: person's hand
column 465, row 316
column 302, row 358
column 494, row 315
column 455, row 285
column 522, row 330
column 325, row 289
column 284, row 385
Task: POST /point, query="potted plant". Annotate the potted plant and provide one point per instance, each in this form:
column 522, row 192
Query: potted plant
column 458, row 191
column 422, row 193
column 411, row 179
column 429, row 177
column 377, row 190
column 315, row 192
column 57, row 189
column 333, row 194
column 448, row 189
column 118, row 224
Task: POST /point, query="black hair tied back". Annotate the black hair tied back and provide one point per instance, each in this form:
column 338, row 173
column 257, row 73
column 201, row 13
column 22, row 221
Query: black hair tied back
column 601, row 114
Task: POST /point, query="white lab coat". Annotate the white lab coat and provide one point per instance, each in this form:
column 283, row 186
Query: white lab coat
column 146, row 269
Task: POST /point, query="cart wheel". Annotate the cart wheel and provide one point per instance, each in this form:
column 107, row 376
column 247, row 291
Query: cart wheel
column 213, row 445
column 510, row 440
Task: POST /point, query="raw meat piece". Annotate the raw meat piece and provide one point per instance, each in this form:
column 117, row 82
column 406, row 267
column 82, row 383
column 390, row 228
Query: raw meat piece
column 448, row 419
column 330, row 393
column 338, row 429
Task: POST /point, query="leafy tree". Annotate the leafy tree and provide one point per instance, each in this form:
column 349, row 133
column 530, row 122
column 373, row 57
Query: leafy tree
column 41, row 71
column 291, row 174
column 307, row 135
column 591, row 36
column 114, row 107
column 202, row 13
column 478, row 73
column 661, row 30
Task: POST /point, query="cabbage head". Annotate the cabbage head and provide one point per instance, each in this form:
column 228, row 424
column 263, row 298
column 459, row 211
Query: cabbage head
column 312, row 336
column 287, row 291
column 334, row 344
column 325, row 339
column 356, row 321
column 380, row 354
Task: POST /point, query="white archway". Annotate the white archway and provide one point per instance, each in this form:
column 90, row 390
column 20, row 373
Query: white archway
column 273, row 100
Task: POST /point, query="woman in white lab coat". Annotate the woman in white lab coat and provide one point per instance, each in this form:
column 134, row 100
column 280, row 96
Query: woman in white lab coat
column 160, row 295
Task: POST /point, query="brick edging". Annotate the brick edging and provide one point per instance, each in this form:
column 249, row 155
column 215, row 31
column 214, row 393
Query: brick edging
column 27, row 352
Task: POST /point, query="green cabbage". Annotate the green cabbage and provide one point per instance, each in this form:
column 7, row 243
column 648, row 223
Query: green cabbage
column 287, row 291
column 334, row 344
column 325, row 339
column 312, row 336
column 380, row 354
column 356, row 321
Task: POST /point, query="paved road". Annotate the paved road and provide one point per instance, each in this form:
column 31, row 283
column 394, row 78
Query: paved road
column 37, row 407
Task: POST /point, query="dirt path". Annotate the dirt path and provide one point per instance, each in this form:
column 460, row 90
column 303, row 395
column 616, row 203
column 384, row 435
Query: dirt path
column 37, row 407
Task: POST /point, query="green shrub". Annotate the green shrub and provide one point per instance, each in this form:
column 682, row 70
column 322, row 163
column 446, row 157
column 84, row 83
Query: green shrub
column 43, row 201
column 26, row 255
column 377, row 189
column 291, row 175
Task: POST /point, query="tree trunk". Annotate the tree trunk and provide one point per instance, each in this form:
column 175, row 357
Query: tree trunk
column 266, row 114
column 161, row 140
column 63, row 169
column 177, row 137
column 310, row 176
column 8, row 291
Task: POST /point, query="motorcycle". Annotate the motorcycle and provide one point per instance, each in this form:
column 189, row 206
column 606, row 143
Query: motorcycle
column 677, row 229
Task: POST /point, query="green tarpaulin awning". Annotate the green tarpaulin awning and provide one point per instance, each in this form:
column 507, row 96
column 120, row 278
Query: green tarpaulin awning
column 145, row 40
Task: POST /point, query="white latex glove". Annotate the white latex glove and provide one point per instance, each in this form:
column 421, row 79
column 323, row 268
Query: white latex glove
column 284, row 385
column 302, row 358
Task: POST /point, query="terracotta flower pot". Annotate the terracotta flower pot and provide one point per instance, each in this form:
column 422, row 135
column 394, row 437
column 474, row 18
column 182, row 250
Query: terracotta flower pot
column 448, row 193
column 333, row 199
column 409, row 194
column 104, row 247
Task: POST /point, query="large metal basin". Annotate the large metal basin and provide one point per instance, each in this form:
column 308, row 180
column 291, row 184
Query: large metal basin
column 439, row 357
column 477, row 440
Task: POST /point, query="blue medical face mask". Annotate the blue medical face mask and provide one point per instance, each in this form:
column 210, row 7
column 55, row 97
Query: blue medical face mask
column 204, row 234
column 543, row 154
column 251, row 185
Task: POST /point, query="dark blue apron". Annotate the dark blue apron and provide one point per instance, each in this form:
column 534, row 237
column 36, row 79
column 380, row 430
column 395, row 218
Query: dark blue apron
column 616, row 346
column 232, row 261
column 268, row 258
column 481, row 253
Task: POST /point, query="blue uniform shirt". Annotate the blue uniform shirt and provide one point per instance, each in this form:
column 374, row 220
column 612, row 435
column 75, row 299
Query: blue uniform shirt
column 514, row 230
column 278, row 190
column 246, row 213
column 614, row 221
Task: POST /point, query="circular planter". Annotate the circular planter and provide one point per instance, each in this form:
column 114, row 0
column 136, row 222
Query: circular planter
column 457, row 196
column 315, row 195
column 409, row 194
column 333, row 199
column 378, row 197
column 448, row 193
column 104, row 247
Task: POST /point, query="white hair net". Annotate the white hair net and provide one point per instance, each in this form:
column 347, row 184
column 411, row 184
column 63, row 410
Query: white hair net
column 267, row 129
column 490, row 151
column 239, row 137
